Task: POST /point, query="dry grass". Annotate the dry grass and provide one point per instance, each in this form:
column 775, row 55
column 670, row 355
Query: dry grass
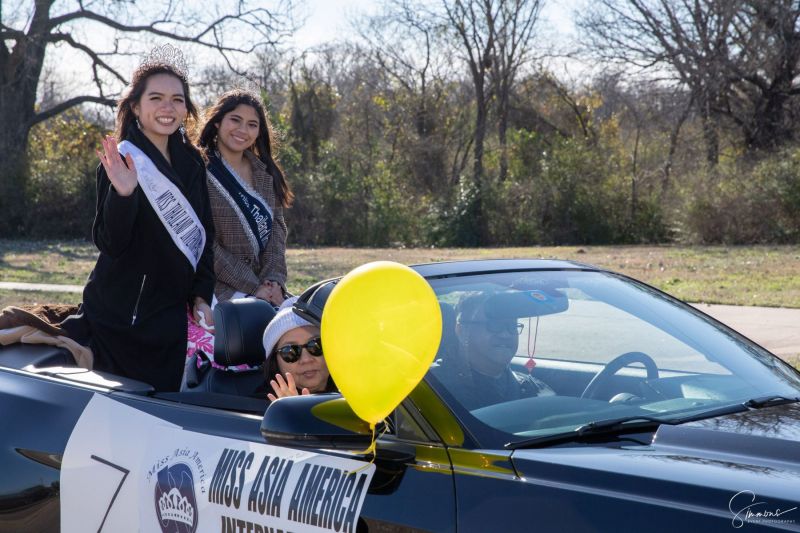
column 67, row 262
column 739, row 275
column 37, row 297
column 742, row 275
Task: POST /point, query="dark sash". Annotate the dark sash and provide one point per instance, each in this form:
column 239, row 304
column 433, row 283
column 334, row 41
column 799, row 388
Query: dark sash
column 255, row 214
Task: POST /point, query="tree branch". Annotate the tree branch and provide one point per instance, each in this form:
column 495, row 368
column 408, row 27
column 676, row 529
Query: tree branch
column 63, row 106
column 96, row 60
column 198, row 38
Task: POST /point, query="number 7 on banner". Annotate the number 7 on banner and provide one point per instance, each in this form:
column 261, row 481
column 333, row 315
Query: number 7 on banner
column 125, row 473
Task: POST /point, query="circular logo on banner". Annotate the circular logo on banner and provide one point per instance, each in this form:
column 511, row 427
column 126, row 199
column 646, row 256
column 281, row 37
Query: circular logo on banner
column 176, row 505
column 174, row 496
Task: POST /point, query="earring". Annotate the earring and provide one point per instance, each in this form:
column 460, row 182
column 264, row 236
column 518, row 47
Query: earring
column 138, row 124
column 182, row 129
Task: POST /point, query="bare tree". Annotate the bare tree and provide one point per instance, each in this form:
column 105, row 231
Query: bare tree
column 514, row 29
column 473, row 22
column 26, row 38
column 646, row 109
column 740, row 59
column 765, row 72
column 688, row 40
column 313, row 99
column 405, row 41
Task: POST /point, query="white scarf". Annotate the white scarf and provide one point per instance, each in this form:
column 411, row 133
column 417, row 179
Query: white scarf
column 172, row 207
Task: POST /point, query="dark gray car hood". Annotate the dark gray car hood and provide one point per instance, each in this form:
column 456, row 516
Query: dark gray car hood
column 707, row 466
column 768, row 436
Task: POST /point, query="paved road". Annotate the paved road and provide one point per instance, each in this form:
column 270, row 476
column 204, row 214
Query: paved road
column 774, row 328
column 777, row 329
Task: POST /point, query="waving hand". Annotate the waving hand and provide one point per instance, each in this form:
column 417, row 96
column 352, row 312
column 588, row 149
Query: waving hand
column 121, row 174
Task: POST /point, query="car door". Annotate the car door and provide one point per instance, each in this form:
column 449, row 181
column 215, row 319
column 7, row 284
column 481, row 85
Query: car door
column 412, row 484
column 38, row 413
column 36, row 417
column 412, row 489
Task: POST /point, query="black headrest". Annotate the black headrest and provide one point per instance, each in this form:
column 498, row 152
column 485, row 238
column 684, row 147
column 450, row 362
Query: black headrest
column 310, row 304
column 448, row 317
column 240, row 328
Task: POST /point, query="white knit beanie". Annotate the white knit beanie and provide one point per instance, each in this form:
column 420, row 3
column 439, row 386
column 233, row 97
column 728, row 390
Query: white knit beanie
column 285, row 320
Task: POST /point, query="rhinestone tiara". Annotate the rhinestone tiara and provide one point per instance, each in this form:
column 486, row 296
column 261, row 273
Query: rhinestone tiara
column 168, row 55
column 247, row 84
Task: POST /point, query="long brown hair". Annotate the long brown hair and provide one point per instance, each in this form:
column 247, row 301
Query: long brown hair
column 135, row 90
column 262, row 147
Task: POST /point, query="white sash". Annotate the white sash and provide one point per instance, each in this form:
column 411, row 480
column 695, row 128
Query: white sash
column 170, row 204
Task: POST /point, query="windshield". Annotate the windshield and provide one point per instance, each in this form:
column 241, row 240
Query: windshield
column 536, row 353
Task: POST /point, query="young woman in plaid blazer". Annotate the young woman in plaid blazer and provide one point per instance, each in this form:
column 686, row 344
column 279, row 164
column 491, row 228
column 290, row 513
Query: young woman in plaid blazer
column 248, row 193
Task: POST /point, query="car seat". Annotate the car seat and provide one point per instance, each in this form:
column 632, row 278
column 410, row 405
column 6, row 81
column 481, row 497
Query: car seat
column 448, row 346
column 447, row 362
column 239, row 328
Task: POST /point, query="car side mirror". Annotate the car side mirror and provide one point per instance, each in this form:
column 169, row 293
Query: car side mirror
column 315, row 421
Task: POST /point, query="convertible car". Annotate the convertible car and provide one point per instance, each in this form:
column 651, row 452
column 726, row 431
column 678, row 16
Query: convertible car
column 563, row 397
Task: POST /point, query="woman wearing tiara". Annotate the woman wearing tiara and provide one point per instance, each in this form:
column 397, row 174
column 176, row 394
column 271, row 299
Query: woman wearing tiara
column 248, row 193
column 153, row 228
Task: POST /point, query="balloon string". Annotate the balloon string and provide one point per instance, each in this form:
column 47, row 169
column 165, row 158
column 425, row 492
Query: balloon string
column 371, row 449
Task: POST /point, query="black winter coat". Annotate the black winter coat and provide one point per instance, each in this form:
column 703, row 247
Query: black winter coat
column 136, row 298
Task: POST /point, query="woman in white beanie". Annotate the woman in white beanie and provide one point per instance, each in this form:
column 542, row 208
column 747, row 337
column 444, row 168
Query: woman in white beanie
column 295, row 363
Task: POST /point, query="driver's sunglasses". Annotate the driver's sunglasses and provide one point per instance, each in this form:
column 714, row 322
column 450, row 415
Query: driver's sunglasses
column 291, row 352
column 497, row 327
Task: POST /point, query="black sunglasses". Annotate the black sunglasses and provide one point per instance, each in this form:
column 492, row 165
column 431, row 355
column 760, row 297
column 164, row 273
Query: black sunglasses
column 291, row 352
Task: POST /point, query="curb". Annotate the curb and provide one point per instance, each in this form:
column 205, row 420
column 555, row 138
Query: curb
column 43, row 287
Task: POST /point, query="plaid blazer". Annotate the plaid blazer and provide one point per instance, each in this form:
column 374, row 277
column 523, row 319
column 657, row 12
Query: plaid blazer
column 236, row 264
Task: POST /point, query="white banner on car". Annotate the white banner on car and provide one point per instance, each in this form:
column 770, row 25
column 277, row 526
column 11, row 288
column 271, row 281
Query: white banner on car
column 101, row 467
column 163, row 478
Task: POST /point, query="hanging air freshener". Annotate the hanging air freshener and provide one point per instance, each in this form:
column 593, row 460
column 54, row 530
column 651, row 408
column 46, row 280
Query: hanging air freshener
column 531, row 363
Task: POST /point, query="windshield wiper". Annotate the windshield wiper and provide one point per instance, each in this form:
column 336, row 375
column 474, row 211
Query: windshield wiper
column 599, row 427
column 616, row 426
column 769, row 401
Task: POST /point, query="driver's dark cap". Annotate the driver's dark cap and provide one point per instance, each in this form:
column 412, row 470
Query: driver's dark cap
column 311, row 303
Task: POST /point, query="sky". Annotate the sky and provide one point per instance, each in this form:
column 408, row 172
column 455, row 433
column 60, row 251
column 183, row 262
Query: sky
column 328, row 19
column 324, row 21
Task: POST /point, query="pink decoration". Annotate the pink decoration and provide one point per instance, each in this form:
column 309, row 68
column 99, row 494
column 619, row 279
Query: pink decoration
column 199, row 339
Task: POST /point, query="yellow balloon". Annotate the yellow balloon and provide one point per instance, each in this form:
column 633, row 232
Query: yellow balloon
column 380, row 329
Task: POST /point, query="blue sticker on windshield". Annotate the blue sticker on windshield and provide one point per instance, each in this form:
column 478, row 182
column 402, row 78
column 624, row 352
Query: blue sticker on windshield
column 538, row 295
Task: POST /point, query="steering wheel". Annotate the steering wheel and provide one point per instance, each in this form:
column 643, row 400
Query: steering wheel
column 614, row 366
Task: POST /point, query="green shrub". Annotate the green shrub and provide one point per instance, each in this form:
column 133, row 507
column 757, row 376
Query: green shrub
column 61, row 187
column 746, row 204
